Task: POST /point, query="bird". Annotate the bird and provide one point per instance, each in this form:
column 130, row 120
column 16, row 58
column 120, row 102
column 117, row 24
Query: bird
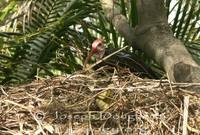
column 121, row 59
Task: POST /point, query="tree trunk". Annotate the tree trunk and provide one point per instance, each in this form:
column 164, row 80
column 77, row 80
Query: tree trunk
column 154, row 36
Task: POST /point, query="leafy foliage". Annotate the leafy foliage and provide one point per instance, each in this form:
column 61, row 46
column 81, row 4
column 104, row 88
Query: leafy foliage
column 186, row 25
column 52, row 37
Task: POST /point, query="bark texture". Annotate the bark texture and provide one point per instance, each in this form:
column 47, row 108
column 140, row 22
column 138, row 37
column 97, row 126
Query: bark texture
column 154, row 36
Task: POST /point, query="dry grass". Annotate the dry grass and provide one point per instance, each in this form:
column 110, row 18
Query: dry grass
column 67, row 105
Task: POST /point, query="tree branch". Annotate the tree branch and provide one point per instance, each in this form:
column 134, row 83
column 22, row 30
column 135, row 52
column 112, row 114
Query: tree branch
column 117, row 19
column 154, row 36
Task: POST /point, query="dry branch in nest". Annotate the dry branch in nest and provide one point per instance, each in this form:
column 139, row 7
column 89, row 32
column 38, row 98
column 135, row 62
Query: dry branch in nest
column 99, row 103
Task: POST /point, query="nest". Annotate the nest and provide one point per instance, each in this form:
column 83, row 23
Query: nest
column 99, row 103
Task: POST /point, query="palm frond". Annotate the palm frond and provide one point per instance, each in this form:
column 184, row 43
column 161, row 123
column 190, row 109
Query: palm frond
column 43, row 24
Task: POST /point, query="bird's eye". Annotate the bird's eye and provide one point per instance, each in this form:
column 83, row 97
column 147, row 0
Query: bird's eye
column 99, row 45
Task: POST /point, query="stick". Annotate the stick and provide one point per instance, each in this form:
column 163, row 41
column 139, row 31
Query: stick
column 105, row 58
column 185, row 116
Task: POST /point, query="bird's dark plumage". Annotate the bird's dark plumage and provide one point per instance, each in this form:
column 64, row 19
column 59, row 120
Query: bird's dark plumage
column 128, row 60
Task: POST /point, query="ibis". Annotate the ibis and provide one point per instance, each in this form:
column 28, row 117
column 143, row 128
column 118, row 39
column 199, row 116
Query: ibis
column 120, row 59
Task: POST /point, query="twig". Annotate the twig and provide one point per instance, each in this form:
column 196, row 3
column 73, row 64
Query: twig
column 38, row 122
column 4, row 91
column 170, row 84
column 96, row 63
column 185, row 116
column 22, row 106
column 168, row 128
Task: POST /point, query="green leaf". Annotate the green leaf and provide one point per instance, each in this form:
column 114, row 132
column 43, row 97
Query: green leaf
column 7, row 9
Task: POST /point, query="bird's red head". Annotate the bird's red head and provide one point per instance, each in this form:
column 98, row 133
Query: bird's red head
column 95, row 44
column 94, row 50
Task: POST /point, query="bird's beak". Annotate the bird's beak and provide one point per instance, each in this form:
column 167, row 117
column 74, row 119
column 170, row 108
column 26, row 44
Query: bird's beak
column 93, row 51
